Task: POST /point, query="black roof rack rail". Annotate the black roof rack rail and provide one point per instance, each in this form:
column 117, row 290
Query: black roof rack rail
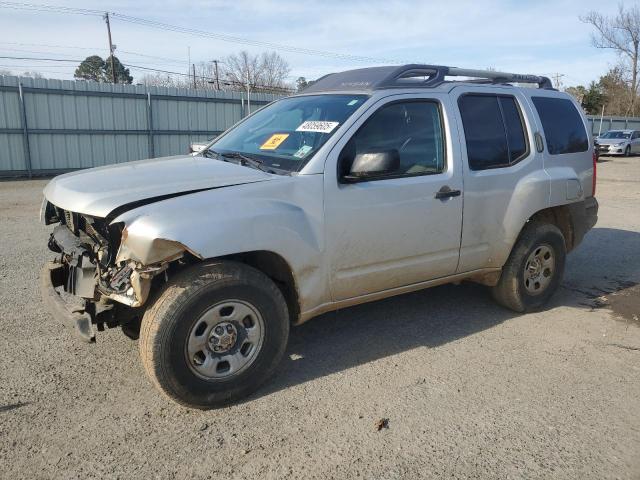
column 415, row 76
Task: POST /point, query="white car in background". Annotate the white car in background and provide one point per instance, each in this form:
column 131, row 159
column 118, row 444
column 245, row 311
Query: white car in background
column 619, row 142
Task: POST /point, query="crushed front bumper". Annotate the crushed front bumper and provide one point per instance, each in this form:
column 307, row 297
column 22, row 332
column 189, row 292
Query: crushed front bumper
column 53, row 275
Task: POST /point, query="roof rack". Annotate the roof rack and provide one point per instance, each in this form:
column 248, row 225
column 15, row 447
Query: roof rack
column 415, row 76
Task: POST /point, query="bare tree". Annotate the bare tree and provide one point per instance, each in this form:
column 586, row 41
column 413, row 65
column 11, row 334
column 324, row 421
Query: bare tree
column 621, row 34
column 32, row 74
column 5, row 72
column 262, row 72
column 242, row 68
column 274, row 70
column 614, row 86
column 266, row 72
column 164, row 80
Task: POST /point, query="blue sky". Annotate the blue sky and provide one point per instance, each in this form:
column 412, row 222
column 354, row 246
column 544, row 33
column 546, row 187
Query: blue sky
column 539, row 37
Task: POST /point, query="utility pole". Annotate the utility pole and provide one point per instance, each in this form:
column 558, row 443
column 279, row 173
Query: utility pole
column 601, row 118
column 111, row 49
column 248, row 92
column 194, row 75
column 215, row 62
column 556, row 80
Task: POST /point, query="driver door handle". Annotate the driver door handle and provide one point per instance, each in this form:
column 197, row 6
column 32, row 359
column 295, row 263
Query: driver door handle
column 446, row 192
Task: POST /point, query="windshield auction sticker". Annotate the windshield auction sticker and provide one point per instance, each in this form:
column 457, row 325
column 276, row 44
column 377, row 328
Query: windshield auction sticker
column 316, row 126
column 303, row 151
column 274, row 141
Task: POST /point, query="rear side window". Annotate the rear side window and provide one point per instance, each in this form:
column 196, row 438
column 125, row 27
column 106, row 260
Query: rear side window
column 562, row 124
column 494, row 131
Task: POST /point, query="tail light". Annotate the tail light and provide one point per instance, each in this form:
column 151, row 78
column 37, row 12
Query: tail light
column 595, row 173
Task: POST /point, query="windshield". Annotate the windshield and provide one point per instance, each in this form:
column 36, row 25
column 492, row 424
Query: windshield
column 614, row 134
column 286, row 134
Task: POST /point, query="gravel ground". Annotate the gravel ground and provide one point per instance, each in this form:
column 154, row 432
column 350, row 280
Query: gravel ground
column 470, row 390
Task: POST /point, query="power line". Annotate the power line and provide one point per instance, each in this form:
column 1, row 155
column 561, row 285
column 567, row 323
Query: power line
column 46, row 7
column 143, row 62
column 246, row 41
column 41, row 59
column 50, row 8
column 137, row 54
column 201, row 33
column 139, row 67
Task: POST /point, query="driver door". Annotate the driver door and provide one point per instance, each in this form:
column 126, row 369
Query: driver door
column 393, row 231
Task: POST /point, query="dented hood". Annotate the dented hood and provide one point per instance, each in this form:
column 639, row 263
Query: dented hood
column 99, row 191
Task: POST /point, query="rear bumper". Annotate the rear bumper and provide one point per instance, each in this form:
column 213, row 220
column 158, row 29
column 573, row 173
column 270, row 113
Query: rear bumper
column 584, row 216
column 53, row 275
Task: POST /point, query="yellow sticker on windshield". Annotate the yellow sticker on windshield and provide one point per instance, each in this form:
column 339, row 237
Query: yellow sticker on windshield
column 274, row 141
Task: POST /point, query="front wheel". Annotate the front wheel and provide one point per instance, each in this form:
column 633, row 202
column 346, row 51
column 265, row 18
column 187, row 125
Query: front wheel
column 215, row 334
column 627, row 151
column 533, row 270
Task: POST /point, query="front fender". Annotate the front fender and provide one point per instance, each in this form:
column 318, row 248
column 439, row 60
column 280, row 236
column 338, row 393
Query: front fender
column 283, row 217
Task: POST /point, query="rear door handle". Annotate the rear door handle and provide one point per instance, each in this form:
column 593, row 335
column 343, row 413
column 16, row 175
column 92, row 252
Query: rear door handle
column 446, row 192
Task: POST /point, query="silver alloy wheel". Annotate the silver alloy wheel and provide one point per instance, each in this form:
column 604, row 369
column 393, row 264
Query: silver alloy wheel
column 539, row 269
column 225, row 340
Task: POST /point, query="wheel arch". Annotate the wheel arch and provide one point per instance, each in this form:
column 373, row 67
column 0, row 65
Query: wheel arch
column 278, row 270
column 561, row 217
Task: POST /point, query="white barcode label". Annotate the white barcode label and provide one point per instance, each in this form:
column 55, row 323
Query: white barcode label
column 317, row 126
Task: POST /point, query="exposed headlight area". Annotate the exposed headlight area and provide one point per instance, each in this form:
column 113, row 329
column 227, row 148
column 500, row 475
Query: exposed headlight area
column 97, row 239
column 87, row 266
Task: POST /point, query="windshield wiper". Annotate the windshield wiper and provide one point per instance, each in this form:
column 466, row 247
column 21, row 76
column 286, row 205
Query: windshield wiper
column 243, row 160
column 246, row 161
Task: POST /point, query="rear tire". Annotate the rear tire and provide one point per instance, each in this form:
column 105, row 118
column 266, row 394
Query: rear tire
column 533, row 270
column 214, row 334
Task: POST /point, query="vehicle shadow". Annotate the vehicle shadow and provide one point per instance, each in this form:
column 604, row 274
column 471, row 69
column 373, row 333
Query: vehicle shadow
column 340, row 340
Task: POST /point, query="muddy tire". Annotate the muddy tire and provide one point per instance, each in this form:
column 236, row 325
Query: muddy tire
column 533, row 270
column 214, row 334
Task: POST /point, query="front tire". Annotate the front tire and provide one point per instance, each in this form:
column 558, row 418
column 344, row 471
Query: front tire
column 533, row 270
column 214, row 334
column 627, row 151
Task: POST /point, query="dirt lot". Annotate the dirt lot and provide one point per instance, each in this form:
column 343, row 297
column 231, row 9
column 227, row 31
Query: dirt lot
column 469, row 390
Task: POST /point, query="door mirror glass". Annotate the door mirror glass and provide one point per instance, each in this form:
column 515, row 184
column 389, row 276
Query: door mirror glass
column 374, row 163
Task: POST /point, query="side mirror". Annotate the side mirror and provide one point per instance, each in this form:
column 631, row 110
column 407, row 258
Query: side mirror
column 370, row 165
column 196, row 147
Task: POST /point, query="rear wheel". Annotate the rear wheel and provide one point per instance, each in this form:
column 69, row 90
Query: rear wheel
column 214, row 334
column 534, row 269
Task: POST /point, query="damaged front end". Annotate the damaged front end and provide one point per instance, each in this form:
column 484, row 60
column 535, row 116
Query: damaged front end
column 103, row 275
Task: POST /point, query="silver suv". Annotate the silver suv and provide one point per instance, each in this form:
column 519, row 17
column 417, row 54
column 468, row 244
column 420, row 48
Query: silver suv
column 370, row 183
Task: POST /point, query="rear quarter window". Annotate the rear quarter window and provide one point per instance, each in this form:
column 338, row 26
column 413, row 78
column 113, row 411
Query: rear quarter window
column 494, row 130
column 562, row 124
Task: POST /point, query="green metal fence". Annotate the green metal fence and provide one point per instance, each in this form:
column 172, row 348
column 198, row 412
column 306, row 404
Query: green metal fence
column 604, row 124
column 51, row 126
